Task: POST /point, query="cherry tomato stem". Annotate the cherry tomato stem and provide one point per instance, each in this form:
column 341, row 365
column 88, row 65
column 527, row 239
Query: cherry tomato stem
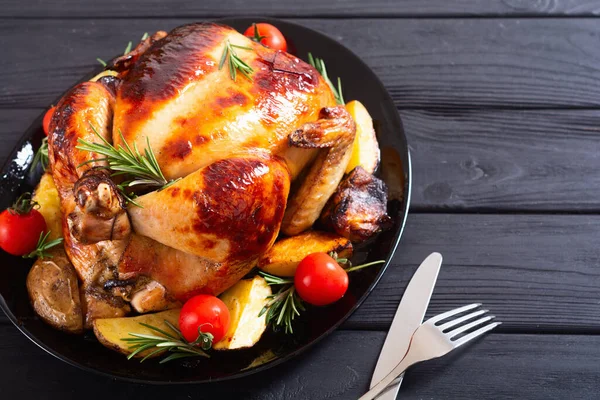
column 359, row 267
column 21, row 227
column 267, row 35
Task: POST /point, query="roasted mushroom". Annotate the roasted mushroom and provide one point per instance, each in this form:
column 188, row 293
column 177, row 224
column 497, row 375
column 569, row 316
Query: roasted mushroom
column 54, row 293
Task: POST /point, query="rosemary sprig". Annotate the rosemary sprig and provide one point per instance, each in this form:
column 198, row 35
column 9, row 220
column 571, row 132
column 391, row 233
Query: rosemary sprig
column 41, row 155
column 43, row 246
column 142, row 169
column 319, row 65
column 283, row 306
column 234, row 62
column 173, row 343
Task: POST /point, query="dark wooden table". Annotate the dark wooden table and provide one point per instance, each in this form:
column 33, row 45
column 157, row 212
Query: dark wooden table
column 501, row 104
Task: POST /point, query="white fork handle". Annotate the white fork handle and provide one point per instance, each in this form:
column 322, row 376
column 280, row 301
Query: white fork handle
column 389, row 378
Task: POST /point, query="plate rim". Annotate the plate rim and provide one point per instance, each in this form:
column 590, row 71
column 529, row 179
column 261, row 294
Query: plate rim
column 244, row 373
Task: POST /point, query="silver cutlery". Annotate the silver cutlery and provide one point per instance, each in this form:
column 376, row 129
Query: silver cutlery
column 433, row 340
column 407, row 319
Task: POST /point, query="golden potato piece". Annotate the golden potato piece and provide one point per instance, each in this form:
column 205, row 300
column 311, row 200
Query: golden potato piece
column 110, row 331
column 54, row 293
column 365, row 151
column 47, row 197
column 245, row 300
column 283, row 258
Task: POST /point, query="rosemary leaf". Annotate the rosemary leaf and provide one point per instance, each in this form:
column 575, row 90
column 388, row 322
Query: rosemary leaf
column 154, row 328
column 234, row 62
column 143, row 169
column 175, row 356
column 152, row 353
column 319, row 65
column 139, row 342
column 41, row 155
column 42, row 247
column 139, row 350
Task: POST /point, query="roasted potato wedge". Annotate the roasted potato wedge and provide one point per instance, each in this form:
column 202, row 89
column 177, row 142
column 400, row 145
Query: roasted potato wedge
column 365, row 151
column 283, row 257
column 54, row 292
column 245, row 300
column 110, row 331
column 47, row 197
column 358, row 208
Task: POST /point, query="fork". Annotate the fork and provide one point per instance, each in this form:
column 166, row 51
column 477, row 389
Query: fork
column 431, row 340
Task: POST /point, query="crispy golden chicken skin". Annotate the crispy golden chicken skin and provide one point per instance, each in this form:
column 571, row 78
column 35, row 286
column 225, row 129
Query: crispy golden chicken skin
column 237, row 145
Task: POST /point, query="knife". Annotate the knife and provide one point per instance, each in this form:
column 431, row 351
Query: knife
column 409, row 316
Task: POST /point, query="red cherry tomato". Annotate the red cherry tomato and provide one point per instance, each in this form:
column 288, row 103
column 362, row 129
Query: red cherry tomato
column 206, row 312
column 21, row 227
column 320, row 280
column 271, row 36
column 47, row 118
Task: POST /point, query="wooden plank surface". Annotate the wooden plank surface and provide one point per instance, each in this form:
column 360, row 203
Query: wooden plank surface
column 537, row 273
column 497, row 366
column 290, row 8
column 477, row 160
column 507, row 160
column 424, row 63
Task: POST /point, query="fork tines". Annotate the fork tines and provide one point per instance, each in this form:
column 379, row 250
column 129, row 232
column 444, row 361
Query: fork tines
column 455, row 327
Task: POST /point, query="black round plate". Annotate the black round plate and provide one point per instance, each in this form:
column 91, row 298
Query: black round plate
column 360, row 83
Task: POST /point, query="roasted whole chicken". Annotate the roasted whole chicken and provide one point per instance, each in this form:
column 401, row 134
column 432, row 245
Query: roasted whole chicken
column 249, row 158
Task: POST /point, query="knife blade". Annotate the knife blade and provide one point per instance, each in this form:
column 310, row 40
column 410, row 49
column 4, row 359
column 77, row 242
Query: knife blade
column 409, row 316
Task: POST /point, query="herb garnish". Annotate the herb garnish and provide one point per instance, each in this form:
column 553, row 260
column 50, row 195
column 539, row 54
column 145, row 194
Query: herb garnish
column 319, row 65
column 43, row 246
column 285, row 305
column 142, row 169
column 41, row 155
column 234, row 62
column 174, row 343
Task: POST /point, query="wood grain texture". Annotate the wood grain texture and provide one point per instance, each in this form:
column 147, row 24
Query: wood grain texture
column 505, row 160
column 537, row 273
column 424, row 63
column 291, row 8
column 497, row 366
